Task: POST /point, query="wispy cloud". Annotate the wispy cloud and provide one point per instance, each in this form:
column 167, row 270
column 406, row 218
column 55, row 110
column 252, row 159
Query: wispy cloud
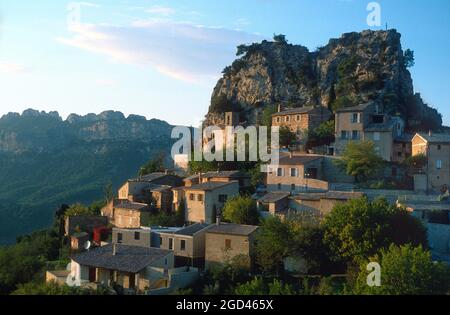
column 13, row 68
column 183, row 51
column 161, row 10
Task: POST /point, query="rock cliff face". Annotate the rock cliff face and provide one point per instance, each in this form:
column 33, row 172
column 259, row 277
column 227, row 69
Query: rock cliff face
column 356, row 68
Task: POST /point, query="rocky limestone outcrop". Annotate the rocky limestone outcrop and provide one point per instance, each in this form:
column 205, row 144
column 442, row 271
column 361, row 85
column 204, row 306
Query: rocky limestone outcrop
column 356, row 68
column 35, row 131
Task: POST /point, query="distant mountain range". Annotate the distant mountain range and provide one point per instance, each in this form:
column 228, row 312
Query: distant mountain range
column 46, row 161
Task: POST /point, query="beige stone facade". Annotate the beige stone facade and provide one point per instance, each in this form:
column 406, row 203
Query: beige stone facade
column 204, row 202
column 367, row 122
column 436, row 147
column 297, row 173
column 301, row 120
column 227, row 241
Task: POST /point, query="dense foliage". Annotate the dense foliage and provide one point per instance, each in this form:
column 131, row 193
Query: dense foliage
column 241, row 210
column 359, row 229
column 406, row 270
column 360, row 160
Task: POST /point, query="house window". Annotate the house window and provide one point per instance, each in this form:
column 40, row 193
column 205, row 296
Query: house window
column 183, row 245
column 355, row 134
column 280, row 172
column 119, row 238
column 299, row 118
column 376, row 136
column 439, row 147
column 191, row 197
column 160, row 241
column 200, row 197
column 288, row 118
column 439, row 164
column 171, row 243
column 279, row 186
column 293, row 172
column 223, row 198
column 293, row 187
column 278, row 119
column 137, row 236
column 399, row 154
column 394, row 172
column 227, row 244
column 344, row 134
column 355, row 118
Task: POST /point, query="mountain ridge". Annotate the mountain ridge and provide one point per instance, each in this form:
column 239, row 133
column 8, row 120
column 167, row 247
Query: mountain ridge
column 46, row 161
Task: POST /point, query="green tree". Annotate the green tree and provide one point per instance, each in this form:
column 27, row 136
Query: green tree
column 359, row 229
column 287, row 137
column 79, row 210
column 258, row 286
column 33, row 288
column 324, row 134
column 406, row 270
column 154, row 165
column 408, row 58
column 273, row 244
column 360, row 160
column 266, row 119
column 241, row 210
column 279, row 38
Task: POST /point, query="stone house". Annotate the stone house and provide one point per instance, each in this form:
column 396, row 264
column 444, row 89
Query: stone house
column 368, row 122
column 226, row 241
column 132, row 267
column 188, row 244
column 204, row 202
column 297, row 173
column 76, row 224
column 133, row 237
column 402, row 148
column 301, row 120
column 436, row 148
column 125, row 214
column 273, row 203
column 226, row 177
column 321, row 204
column 134, row 189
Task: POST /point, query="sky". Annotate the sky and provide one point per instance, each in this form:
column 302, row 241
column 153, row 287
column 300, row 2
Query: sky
column 162, row 59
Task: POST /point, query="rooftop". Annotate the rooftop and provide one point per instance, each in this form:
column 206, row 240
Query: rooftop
column 273, row 197
column 436, row 137
column 149, row 177
column 233, row 229
column 358, row 108
column 158, row 188
column 337, row 195
column 210, row 186
column 224, row 174
column 192, row 229
column 298, row 159
column 125, row 204
column 293, row 111
column 131, row 259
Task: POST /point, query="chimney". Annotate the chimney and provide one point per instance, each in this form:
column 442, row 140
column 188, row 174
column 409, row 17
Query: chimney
column 218, row 220
column 430, row 133
column 114, row 250
column 279, row 108
column 290, row 154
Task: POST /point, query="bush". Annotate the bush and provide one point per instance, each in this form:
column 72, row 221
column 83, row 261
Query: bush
column 241, row 210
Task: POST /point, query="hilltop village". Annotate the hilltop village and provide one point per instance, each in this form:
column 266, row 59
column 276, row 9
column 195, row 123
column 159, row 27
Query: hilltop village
column 370, row 157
